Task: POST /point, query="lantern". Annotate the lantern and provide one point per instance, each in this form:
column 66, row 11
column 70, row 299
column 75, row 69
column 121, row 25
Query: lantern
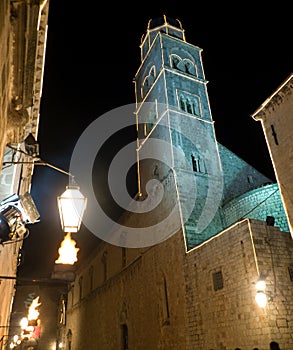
column 71, row 206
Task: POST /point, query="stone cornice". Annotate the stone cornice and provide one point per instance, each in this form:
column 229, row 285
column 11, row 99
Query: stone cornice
column 275, row 99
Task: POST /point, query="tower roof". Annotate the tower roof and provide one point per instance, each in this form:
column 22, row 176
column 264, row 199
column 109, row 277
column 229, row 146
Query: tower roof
column 166, row 25
column 164, row 20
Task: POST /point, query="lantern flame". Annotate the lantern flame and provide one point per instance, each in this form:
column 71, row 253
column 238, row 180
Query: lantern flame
column 67, row 251
column 33, row 313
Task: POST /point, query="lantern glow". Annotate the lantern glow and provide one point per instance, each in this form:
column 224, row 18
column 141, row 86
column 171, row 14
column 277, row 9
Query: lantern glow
column 71, row 206
column 261, row 297
column 67, row 251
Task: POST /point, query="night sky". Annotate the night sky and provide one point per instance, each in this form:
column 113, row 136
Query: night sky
column 92, row 57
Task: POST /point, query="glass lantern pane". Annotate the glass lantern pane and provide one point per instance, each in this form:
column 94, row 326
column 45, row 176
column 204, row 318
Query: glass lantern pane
column 71, row 208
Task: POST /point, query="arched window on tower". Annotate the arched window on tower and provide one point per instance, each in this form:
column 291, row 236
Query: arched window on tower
column 185, row 65
column 150, row 119
column 189, row 108
column 156, row 170
column 175, row 61
column 148, row 81
column 177, row 137
column 194, row 163
column 195, row 107
column 189, row 67
column 182, row 103
column 189, row 103
column 198, row 164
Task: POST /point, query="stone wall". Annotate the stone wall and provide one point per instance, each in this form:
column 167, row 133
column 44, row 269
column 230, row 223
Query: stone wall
column 275, row 115
column 147, row 295
column 220, row 289
column 22, row 43
column 170, row 299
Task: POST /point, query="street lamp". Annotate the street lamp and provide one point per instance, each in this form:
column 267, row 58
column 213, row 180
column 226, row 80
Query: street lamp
column 71, row 203
column 261, row 297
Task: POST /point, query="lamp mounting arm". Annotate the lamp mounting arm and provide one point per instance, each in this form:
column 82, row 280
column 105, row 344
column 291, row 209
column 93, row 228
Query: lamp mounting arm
column 36, row 161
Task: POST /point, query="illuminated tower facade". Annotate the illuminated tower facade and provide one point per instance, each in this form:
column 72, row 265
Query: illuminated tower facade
column 202, row 187
column 173, row 107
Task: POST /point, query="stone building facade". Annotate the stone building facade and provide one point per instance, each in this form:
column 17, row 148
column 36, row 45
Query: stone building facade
column 195, row 289
column 23, row 29
column 164, row 297
column 275, row 115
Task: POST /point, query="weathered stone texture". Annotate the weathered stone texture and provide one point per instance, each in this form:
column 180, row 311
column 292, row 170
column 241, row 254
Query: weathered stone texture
column 277, row 122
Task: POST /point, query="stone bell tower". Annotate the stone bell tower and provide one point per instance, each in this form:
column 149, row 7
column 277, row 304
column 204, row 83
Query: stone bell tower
column 176, row 143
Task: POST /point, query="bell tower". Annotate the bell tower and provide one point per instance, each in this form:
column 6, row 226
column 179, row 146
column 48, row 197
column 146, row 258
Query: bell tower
column 176, row 144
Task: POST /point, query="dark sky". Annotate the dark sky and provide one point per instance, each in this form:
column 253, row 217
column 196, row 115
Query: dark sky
column 92, row 56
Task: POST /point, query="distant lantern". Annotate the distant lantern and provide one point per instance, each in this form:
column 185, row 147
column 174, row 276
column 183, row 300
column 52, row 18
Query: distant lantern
column 261, row 297
column 71, row 206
